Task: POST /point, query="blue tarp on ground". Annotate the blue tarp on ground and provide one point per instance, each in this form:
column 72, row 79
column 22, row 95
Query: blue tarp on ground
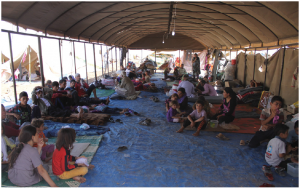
column 157, row 156
column 53, row 128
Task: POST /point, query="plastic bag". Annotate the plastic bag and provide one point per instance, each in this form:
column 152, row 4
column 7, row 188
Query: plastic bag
column 296, row 104
column 230, row 72
column 84, row 126
column 121, row 91
column 66, row 126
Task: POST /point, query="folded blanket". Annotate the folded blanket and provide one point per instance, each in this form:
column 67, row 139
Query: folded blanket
column 244, row 91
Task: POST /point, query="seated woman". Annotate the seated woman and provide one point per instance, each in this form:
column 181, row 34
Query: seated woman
column 227, row 109
column 183, row 101
column 208, row 89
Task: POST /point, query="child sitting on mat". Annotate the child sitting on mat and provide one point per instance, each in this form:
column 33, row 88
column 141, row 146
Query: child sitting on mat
column 63, row 164
column 276, row 150
column 47, row 150
column 173, row 115
column 269, row 117
column 169, row 100
column 6, row 147
column 206, row 106
column 25, row 166
column 196, row 119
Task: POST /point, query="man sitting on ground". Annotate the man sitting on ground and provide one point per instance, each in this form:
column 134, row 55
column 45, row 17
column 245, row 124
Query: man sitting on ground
column 181, row 71
column 83, row 89
column 188, row 86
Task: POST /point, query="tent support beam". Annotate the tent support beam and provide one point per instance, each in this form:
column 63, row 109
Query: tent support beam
column 61, row 68
column 12, row 67
column 116, row 59
column 254, row 63
column 245, row 67
column 87, row 77
column 41, row 61
column 281, row 70
column 95, row 62
column 267, row 60
column 170, row 16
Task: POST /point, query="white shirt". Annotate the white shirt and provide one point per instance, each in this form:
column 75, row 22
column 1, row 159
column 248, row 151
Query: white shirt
column 45, row 101
column 188, row 86
column 127, row 72
column 274, row 148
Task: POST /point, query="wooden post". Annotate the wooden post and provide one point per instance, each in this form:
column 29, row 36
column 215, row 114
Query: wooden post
column 12, row 67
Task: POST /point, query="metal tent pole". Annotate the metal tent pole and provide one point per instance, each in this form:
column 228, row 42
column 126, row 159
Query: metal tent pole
column 281, row 70
column 102, row 59
column 254, row 63
column 41, row 61
column 12, row 67
column 95, row 61
column 267, row 60
column 87, row 77
column 74, row 57
column 112, row 59
column 61, row 68
column 245, row 67
column 107, row 64
column 116, row 59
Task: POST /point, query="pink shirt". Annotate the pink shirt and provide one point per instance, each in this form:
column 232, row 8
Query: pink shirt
column 210, row 90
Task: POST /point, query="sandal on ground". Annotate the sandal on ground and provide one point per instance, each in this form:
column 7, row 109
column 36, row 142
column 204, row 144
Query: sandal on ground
column 267, row 171
column 135, row 113
column 280, row 171
column 111, row 120
column 243, row 143
column 222, row 137
column 145, row 122
column 122, row 148
column 266, row 185
column 118, row 120
column 127, row 114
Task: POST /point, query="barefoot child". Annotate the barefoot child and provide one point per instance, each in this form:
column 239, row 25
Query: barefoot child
column 25, row 165
column 196, row 119
column 173, row 115
column 47, row 150
column 63, row 164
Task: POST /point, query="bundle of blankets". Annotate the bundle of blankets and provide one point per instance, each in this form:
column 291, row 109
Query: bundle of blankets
column 251, row 94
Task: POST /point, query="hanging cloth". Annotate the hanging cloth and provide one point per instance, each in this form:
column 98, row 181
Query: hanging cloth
column 295, row 81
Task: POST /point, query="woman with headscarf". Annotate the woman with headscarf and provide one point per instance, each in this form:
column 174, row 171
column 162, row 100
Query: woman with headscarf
column 196, row 66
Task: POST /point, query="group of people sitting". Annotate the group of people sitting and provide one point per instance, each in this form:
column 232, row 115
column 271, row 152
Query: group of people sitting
column 281, row 143
column 177, row 107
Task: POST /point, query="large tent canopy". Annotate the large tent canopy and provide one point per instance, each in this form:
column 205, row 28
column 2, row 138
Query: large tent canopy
column 207, row 24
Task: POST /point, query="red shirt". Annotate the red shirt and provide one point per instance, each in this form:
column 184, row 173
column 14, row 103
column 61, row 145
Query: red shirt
column 79, row 88
column 60, row 161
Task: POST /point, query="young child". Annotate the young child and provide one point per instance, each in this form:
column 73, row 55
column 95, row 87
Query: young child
column 6, row 147
column 167, row 102
column 11, row 129
column 292, row 139
column 49, row 84
column 206, row 106
column 173, row 115
column 269, row 118
column 25, row 165
column 47, row 150
column 196, row 119
column 276, row 150
column 21, row 111
column 63, row 163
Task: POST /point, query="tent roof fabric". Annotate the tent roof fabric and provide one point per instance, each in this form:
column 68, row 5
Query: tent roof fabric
column 212, row 24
